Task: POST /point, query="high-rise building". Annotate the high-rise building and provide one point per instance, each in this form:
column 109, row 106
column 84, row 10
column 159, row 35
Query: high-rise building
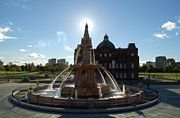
column 63, row 61
column 52, row 61
column 160, row 61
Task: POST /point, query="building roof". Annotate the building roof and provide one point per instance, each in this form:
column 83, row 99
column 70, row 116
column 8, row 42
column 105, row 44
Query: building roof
column 106, row 43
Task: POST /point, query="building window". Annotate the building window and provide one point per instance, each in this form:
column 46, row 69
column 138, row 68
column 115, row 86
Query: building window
column 132, row 65
column 113, row 63
column 125, row 66
column 125, row 75
column 120, row 74
column 109, row 65
column 132, row 75
column 117, row 75
column 120, row 66
column 109, row 54
column 105, row 55
column 132, row 54
column 100, row 55
column 117, row 65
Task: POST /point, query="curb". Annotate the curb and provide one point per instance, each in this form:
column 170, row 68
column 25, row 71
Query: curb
column 82, row 111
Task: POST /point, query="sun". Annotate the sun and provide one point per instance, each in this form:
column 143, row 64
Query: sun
column 83, row 23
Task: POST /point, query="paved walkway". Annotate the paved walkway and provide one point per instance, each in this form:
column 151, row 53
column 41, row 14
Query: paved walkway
column 168, row 108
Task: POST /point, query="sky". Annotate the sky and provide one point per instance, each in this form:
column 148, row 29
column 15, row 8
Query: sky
column 37, row 30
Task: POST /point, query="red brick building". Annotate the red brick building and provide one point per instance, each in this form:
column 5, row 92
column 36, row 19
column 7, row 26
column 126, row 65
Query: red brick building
column 123, row 63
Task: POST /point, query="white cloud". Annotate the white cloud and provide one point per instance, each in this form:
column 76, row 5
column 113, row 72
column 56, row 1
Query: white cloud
column 66, row 47
column 35, row 55
column 44, row 43
column 161, row 35
column 179, row 21
column 142, row 62
column 17, row 3
column 3, row 31
column 70, row 57
column 29, row 46
column 169, row 26
column 61, row 36
column 23, row 50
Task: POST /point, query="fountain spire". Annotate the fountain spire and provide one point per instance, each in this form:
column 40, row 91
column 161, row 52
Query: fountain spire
column 86, row 33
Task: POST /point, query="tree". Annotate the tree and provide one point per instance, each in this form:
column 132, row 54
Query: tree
column 23, row 68
column 169, row 65
column 40, row 67
column 149, row 68
column 55, row 67
column 7, row 68
column 32, row 68
column 143, row 68
column 2, row 68
column 176, row 69
column 1, row 63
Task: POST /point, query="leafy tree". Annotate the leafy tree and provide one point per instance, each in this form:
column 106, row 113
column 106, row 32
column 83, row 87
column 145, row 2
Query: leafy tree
column 23, row 68
column 55, row 67
column 32, row 68
column 143, row 68
column 149, row 68
column 7, row 68
column 40, row 67
column 169, row 65
column 2, row 68
column 1, row 63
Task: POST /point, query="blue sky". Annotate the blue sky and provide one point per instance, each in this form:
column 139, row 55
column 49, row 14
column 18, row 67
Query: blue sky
column 36, row 30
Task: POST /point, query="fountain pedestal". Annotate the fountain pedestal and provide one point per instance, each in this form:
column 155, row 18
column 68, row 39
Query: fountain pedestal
column 85, row 81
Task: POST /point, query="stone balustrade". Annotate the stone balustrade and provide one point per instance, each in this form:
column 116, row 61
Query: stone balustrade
column 86, row 103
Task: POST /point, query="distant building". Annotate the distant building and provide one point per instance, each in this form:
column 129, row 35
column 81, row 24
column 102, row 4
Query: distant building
column 123, row 63
column 178, row 64
column 151, row 63
column 63, row 61
column 160, row 61
column 52, row 61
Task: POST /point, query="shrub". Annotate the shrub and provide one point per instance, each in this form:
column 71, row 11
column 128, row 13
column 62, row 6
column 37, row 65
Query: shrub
column 25, row 80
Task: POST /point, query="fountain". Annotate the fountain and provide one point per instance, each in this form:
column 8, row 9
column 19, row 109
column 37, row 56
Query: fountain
column 84, row 84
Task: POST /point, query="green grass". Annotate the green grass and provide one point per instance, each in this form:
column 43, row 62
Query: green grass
column 21, row 73
column 174, row 76
column 19, row 76
column 16, row 73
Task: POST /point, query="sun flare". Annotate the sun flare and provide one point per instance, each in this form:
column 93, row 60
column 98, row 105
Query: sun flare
column 83, row 23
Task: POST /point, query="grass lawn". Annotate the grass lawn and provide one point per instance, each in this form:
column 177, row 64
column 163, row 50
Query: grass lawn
column 174, row 76
column 18, row 76
column 16, row 73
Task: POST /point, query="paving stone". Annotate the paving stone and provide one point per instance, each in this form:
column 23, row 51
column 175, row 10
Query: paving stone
column 169, row 107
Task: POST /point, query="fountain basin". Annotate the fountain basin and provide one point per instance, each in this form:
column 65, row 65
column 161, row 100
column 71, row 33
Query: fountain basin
column 119, row 99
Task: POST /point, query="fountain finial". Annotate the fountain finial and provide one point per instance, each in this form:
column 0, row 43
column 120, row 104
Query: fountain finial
column 86, row 33
column 86, row 26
